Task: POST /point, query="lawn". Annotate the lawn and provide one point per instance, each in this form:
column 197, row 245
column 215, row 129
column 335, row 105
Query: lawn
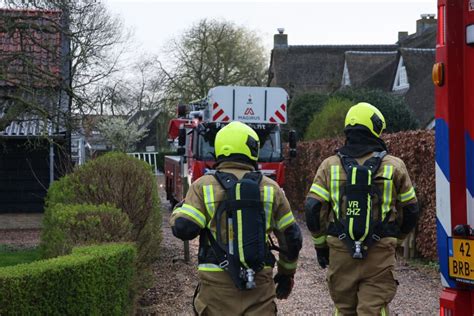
column 10, row 256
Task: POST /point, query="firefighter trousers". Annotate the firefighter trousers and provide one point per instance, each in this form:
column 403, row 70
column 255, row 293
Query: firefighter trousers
column 217, row 295
column 362, row 286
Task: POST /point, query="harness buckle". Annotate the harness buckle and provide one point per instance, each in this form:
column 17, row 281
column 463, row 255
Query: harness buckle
column 224, row 264
column 376, row 237
column 342, row 236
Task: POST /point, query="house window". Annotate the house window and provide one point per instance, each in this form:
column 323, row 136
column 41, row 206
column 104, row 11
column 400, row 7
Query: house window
column 346, row 80
column 401, row 78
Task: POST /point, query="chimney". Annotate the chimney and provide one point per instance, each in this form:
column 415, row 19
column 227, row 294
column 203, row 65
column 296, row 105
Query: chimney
column 427, row 21
column 280, row 40
column 402, row 36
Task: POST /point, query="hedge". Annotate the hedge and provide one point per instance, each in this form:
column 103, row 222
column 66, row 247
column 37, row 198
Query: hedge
column 93, row 280
column 121, row 181
column 415, row 148
column 329, row 122
column 68, row 225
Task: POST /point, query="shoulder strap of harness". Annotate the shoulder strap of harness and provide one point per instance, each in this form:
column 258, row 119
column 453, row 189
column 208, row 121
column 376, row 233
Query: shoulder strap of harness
column 254, row 175
column 347, row 162
column 226, row 180
column 374, row 162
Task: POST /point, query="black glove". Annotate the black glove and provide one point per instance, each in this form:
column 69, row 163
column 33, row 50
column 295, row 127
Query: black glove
column 322, row 255
column 284, row 285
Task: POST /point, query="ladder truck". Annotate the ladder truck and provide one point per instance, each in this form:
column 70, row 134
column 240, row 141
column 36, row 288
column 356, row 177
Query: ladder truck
column 195, row 128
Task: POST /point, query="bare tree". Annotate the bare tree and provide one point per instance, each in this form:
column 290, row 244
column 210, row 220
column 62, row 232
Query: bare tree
column 213, row 53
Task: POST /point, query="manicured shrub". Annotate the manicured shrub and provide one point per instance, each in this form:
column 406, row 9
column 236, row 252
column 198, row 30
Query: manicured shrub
column 93, row 280
column 329, row 122
column 302, row 109
column 121, row 181
column 68, row 225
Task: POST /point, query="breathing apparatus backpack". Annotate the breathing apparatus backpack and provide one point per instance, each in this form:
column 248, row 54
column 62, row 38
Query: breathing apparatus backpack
column 355, row 225
column 240, row 217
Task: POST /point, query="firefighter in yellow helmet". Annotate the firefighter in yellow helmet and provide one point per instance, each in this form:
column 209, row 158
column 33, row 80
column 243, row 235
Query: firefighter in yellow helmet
column 360, row 202
column 233, row 210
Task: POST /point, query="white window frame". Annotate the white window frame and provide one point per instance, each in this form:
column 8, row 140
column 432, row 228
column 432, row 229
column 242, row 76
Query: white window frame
column 346, row 79
column 401, row 77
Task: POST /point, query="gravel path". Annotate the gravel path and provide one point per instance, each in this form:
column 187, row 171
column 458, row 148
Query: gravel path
column 175, row 282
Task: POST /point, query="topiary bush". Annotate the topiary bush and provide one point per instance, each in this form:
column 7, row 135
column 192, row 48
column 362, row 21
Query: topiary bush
column 302, row 108
column 398, row 115
column 329, row 122
column 68, row 225
column 93, row 280
column 126, row 183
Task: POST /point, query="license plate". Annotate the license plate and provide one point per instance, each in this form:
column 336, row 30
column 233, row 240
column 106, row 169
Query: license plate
column 461, row 260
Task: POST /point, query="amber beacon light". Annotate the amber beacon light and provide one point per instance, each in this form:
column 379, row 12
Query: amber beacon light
column 438, row 74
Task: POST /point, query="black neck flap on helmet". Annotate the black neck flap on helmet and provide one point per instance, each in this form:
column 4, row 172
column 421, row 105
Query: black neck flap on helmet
column 360, row 141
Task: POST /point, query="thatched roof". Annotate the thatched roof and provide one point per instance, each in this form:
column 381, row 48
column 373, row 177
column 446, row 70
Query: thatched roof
column 373, row 70
column 316, row 68
column 420, row 96
column 424, row 39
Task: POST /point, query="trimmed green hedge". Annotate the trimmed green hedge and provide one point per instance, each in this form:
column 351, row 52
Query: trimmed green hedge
column 93, row 280
column 124, row 182
column 68, row 225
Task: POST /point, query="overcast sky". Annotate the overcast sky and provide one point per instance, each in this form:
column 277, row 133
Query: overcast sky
column 306, row 22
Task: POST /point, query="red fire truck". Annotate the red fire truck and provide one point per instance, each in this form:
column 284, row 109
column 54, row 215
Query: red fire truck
column 453, row 75
column 263, row 108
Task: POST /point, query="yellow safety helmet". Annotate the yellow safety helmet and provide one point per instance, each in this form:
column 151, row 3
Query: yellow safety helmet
column 237, row 138
column 367, row 115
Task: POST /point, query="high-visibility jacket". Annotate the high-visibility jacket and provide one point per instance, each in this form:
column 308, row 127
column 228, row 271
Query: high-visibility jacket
column 392, row 179
column 205, row 194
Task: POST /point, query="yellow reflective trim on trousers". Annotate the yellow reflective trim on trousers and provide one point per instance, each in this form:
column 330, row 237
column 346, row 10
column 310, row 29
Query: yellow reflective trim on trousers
column 407, row 196
column 335, row 189
column 209, row 267
column 319, row 240
column 387, row 190
column 285, row 221
column 336, row 312
column 320, row 191
column 268, row 193
column 208, row 191
column 383, row 311
column 192, row 212
column 288, row 265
